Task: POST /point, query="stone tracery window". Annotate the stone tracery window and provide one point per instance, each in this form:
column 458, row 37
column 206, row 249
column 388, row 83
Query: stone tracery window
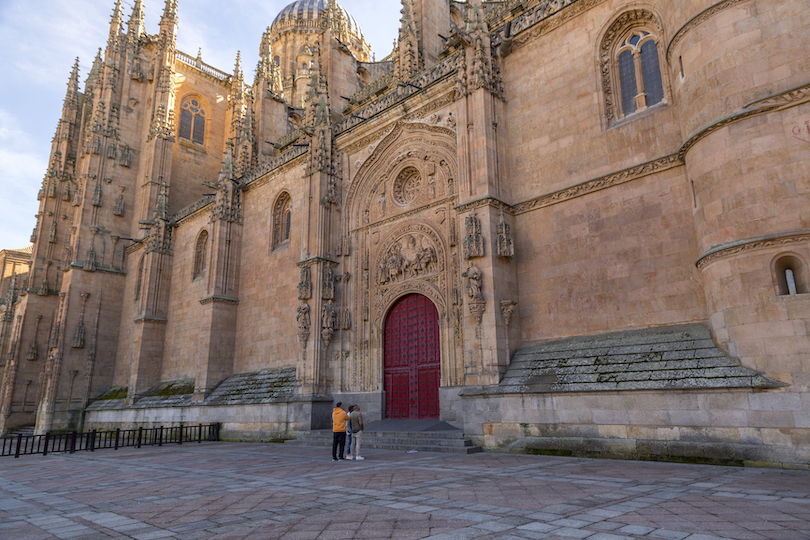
column 407, row 185
column 282, row 219
column 192, row 121
column 630, row 63
column 200, row 252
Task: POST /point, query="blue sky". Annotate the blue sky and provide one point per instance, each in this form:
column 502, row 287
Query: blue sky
column 40, row 40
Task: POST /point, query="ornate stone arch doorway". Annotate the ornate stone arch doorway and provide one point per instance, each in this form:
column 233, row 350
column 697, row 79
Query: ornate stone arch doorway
column 412, row 358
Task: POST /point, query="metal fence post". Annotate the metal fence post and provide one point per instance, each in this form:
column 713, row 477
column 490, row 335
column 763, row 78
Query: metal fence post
column 140, row 436
column 47, row 439
column 181, row 435
column 19, row 443
column 117, row 435
column 160, row 436
column 73, row 442
column 199, row 433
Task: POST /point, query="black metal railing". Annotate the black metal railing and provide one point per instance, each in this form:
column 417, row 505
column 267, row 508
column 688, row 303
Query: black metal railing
column 76, row 441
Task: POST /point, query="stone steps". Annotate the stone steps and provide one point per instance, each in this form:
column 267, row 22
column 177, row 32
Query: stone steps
column 430, row 441
column 673, row 357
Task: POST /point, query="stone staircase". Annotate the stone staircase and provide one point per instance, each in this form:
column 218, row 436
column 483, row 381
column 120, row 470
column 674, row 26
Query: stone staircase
column 402, row 435
column 26, row 431
column 673, row 357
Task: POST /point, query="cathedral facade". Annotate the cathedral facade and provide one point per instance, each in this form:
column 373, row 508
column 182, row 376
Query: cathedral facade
column 576, row 226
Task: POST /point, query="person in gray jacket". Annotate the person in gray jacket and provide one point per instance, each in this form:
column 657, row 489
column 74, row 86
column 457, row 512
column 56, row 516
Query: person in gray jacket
column 356, row 425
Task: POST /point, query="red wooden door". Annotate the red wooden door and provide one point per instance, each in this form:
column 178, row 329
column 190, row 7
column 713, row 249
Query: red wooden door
column 412, row 359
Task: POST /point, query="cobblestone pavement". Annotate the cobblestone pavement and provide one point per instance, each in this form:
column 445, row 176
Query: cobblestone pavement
column 268, row 491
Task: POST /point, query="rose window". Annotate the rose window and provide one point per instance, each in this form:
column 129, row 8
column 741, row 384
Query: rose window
column 407, row 185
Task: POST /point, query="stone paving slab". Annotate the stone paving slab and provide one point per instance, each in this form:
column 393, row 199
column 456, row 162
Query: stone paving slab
column 271, row 491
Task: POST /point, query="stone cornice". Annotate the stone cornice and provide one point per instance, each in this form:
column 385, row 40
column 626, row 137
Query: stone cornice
column 700, row 18
column 782, row 100
column 733, row 248
column 315, row 259
column 540, row 18
column 192, row 209
column 215, row 299
column 397, row 217
column 484, row 201
column 600, row 183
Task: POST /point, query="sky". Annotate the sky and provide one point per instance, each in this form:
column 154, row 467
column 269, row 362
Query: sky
column 40, row 40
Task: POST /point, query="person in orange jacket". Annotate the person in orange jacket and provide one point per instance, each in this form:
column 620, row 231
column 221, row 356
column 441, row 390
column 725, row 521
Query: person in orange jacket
column 339, row 418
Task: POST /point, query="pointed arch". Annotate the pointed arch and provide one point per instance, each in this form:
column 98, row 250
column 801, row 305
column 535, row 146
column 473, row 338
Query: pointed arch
column 430, row 149
column 193, row 114
column 200, row 254
column 282, row 219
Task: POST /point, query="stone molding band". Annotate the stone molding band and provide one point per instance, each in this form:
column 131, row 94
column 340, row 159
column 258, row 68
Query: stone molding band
column 700, row 18
column 600, row 183
column 782, row 100
column 733, row 248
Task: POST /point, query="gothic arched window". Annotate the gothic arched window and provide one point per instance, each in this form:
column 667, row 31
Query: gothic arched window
column 200, row 252
column 282, row 219
column 630, row 63
column 192, row 121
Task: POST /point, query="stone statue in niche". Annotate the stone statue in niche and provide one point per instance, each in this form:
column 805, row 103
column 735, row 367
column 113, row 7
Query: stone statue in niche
column 474, row 282
column 328, row 316
column 410, row 257
column 303, row 317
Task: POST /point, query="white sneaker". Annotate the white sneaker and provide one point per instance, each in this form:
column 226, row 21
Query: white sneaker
column 358, row 458
column 349, row 456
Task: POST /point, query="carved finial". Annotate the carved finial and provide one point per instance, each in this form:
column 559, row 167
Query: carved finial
column 169, row 12
column 73, row 81
column 226, row 173
column 136, row 19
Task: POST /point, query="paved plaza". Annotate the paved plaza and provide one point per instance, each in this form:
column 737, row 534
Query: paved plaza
column 268, row 491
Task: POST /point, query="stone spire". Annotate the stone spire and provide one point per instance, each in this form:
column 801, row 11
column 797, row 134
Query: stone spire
column 169, row 12
column 72, row 96
column 115, row 23
column 136, row 23
column 408, row 60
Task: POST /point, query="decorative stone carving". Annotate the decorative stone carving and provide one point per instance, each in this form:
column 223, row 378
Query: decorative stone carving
column 305, row 284
column 474, row 283
column 473, row 240
column 411, row 256
column 328, row 292
column 78, row 337
column 346, row 320
column 97, row 195
column 507, row 310
column 328, row 322
column 118, row 206
column 506, row 247
column 407, row 186
column 304, row 322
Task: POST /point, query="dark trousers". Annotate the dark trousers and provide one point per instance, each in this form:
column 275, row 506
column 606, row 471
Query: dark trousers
column 338, row 440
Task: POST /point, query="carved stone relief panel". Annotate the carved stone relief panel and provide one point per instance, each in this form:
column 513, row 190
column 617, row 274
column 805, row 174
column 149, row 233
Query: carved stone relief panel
column 414, row 251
